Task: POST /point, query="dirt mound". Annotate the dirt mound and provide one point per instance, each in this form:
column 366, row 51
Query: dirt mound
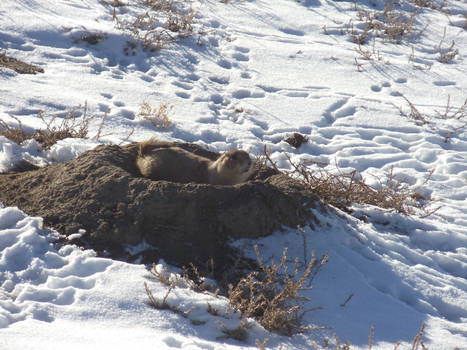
column 103, row 192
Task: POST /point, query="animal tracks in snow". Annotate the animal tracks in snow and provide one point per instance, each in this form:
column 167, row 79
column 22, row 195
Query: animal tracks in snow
column 387, row 84
column 38, row 276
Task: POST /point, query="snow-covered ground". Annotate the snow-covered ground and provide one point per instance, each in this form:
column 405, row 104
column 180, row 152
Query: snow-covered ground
column 253, row 72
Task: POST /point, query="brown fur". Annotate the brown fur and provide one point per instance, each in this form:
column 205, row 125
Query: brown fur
column 172, row 163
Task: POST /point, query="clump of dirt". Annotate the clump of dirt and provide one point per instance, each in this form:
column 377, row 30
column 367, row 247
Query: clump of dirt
column 296, row 140
column 18, row 66
column 102, row 192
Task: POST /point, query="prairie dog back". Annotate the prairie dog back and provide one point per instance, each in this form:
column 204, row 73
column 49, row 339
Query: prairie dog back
column 172, row 163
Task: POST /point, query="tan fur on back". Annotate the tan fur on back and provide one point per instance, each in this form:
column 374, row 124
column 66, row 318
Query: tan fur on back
column 178, row 165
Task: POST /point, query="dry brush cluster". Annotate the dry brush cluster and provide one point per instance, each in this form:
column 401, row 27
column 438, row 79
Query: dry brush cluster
column 75, row 124
column 397, row 22
column 156, row 24
column 342, row 190
column 158, row 116
column 389, row 24
column 271, row 294
column 454, row 118
column 268, row 294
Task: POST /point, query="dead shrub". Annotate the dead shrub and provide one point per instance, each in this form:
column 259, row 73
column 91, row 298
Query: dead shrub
column 193, row 277
column 448, row 54
column 271, row 295
column 172, row 281
column 431, row 4
column 414, row 113
column 451, row 112
column 239, row 333
column 457, row 116
column 417, row 342
column 212, row 310
column 75, row 124
column 262, row 346
column 14, row 133
column 396, row 25
column 388, row 24
column 163, row 277
column 190, row 278
column 341, row 190
column 162, row 304
column 162, row 23
column 158, row 116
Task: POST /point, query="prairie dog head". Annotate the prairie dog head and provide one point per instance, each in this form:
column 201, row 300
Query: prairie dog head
column 234, row 165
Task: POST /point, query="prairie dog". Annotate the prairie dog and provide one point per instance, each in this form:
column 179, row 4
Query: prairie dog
column 178, row 165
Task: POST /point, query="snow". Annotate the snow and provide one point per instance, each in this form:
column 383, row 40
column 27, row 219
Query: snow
column 253, row 72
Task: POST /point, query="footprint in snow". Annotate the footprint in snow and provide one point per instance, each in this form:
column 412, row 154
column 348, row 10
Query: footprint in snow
column 183, row 95
column 245, row 75
column 444, row 83
column 185, row 86
column 219, row 79
column 224, row 64
column 240, row 57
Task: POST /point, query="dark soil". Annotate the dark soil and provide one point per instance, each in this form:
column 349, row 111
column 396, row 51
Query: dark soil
column 102, row 192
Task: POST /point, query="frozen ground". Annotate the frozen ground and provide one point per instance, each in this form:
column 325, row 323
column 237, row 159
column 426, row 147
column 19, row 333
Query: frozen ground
column 253, row 72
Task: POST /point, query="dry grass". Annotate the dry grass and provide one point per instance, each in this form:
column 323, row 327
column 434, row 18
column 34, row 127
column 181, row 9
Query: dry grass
column 262, row 346
column 397, row 25
column 161, row 304
column 161, row 23
column 211, row 310
column 450, row 112
column 75, row 124
column 389, row 24
column 440, row 5
column 447, row 55
column 190, row 278
column 172, row 281
column 158, row 116
column 343, row 189
column 367, row 54
column 163, row 277
column 417, row 343
column 271, row 295
column 456, row 115
column 193, row 277
column 414, row 114
column 239, row 333
column 14, row 133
